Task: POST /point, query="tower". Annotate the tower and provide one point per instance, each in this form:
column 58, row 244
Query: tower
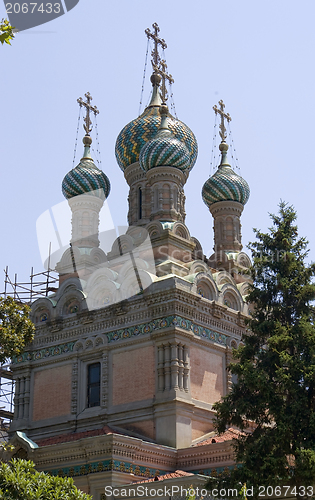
column 86, row 187
column 131, row 352
column 225, row 194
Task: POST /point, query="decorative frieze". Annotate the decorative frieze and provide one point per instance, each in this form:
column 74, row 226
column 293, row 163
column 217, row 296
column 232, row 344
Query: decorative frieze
column 104, row 465
column 163, row 323
column 133, row 331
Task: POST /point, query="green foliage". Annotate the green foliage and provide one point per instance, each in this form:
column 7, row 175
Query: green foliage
column 275, row 389
column 19, row 480
column 16, row 328
column 6, row 32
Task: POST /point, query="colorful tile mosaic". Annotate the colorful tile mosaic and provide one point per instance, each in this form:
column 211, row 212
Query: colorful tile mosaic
column 134, row 136
column 101, row 466
column 224, row 185
column 129, row 468
column 85, row 178
column 163, row 150
column 44, row 353
column 161, row 323
column 126, row 333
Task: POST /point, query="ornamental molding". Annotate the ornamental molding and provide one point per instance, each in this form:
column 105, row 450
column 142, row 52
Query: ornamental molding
column 142, row 309
column 86, row 201
column 226, row 207
column 134, row 173
column 164, row 177
column 162, row 323
column 136, row 331
column 110, row 445
column 142, row 459
column 49, row 352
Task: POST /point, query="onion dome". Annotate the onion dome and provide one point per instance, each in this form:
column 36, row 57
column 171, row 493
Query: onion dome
column 164, row 149
column 135, row 134
column 86, row 177
column 225, row 184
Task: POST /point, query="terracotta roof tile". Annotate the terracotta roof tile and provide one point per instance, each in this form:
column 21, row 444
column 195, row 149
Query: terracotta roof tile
column 226, row 436
column 74, row 436
column 169, row 475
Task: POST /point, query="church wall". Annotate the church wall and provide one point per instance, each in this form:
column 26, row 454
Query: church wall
column 198, row 428
column 133, row 375
column 145, row 428
column 173, row 252
column 206, row 375
column 52, row 392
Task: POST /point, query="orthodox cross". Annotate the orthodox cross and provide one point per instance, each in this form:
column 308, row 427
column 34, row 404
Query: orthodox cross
column 223, row 115
column 157, row 41
column 165, row 76
column 88, row 124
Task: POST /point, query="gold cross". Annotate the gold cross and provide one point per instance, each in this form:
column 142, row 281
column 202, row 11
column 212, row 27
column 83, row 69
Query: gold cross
column 165, row 76
column 88, row 124
column 223, row 115
column 157, row 41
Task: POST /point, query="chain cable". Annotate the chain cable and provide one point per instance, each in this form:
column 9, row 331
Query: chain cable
column 233, row 150
column 214, row 145
column 76, row 139
column 144, row 74
column 98, row 149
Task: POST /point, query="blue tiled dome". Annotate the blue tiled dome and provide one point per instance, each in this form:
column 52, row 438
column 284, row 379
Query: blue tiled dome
column 134, row 136
column 225, row 184
column 164, row 149
column 86, row 178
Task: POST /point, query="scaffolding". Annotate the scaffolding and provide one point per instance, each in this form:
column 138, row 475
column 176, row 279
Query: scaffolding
column 6, row 401
column 39, row 285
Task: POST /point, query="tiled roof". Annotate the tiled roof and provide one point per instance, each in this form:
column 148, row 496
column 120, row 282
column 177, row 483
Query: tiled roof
column 226, row 436
column 170, row 475
column 74, row 436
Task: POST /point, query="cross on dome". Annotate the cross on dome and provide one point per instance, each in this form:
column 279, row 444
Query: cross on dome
column 157, row 41
column 165, row 76
column 88, row 124
column 223, row 115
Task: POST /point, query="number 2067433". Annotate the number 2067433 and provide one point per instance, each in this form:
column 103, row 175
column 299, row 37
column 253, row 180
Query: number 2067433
column 284, row 491
column 32, row 8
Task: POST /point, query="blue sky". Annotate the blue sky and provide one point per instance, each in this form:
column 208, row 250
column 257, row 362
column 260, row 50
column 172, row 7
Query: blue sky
column 256, row 56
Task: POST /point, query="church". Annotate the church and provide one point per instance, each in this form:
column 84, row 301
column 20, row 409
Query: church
column 131, row 351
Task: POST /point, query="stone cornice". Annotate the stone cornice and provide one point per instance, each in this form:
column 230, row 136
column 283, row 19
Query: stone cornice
column 154, row 303
column 206, row 455
column 226, row 207
column 127, row 454
column 110, row 445
column 161, row 174
column 134, row 173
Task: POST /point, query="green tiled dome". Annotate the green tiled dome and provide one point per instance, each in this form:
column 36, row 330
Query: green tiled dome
column 86, row 178
column 164, row 149
column 225, row 184
column 134, row 136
